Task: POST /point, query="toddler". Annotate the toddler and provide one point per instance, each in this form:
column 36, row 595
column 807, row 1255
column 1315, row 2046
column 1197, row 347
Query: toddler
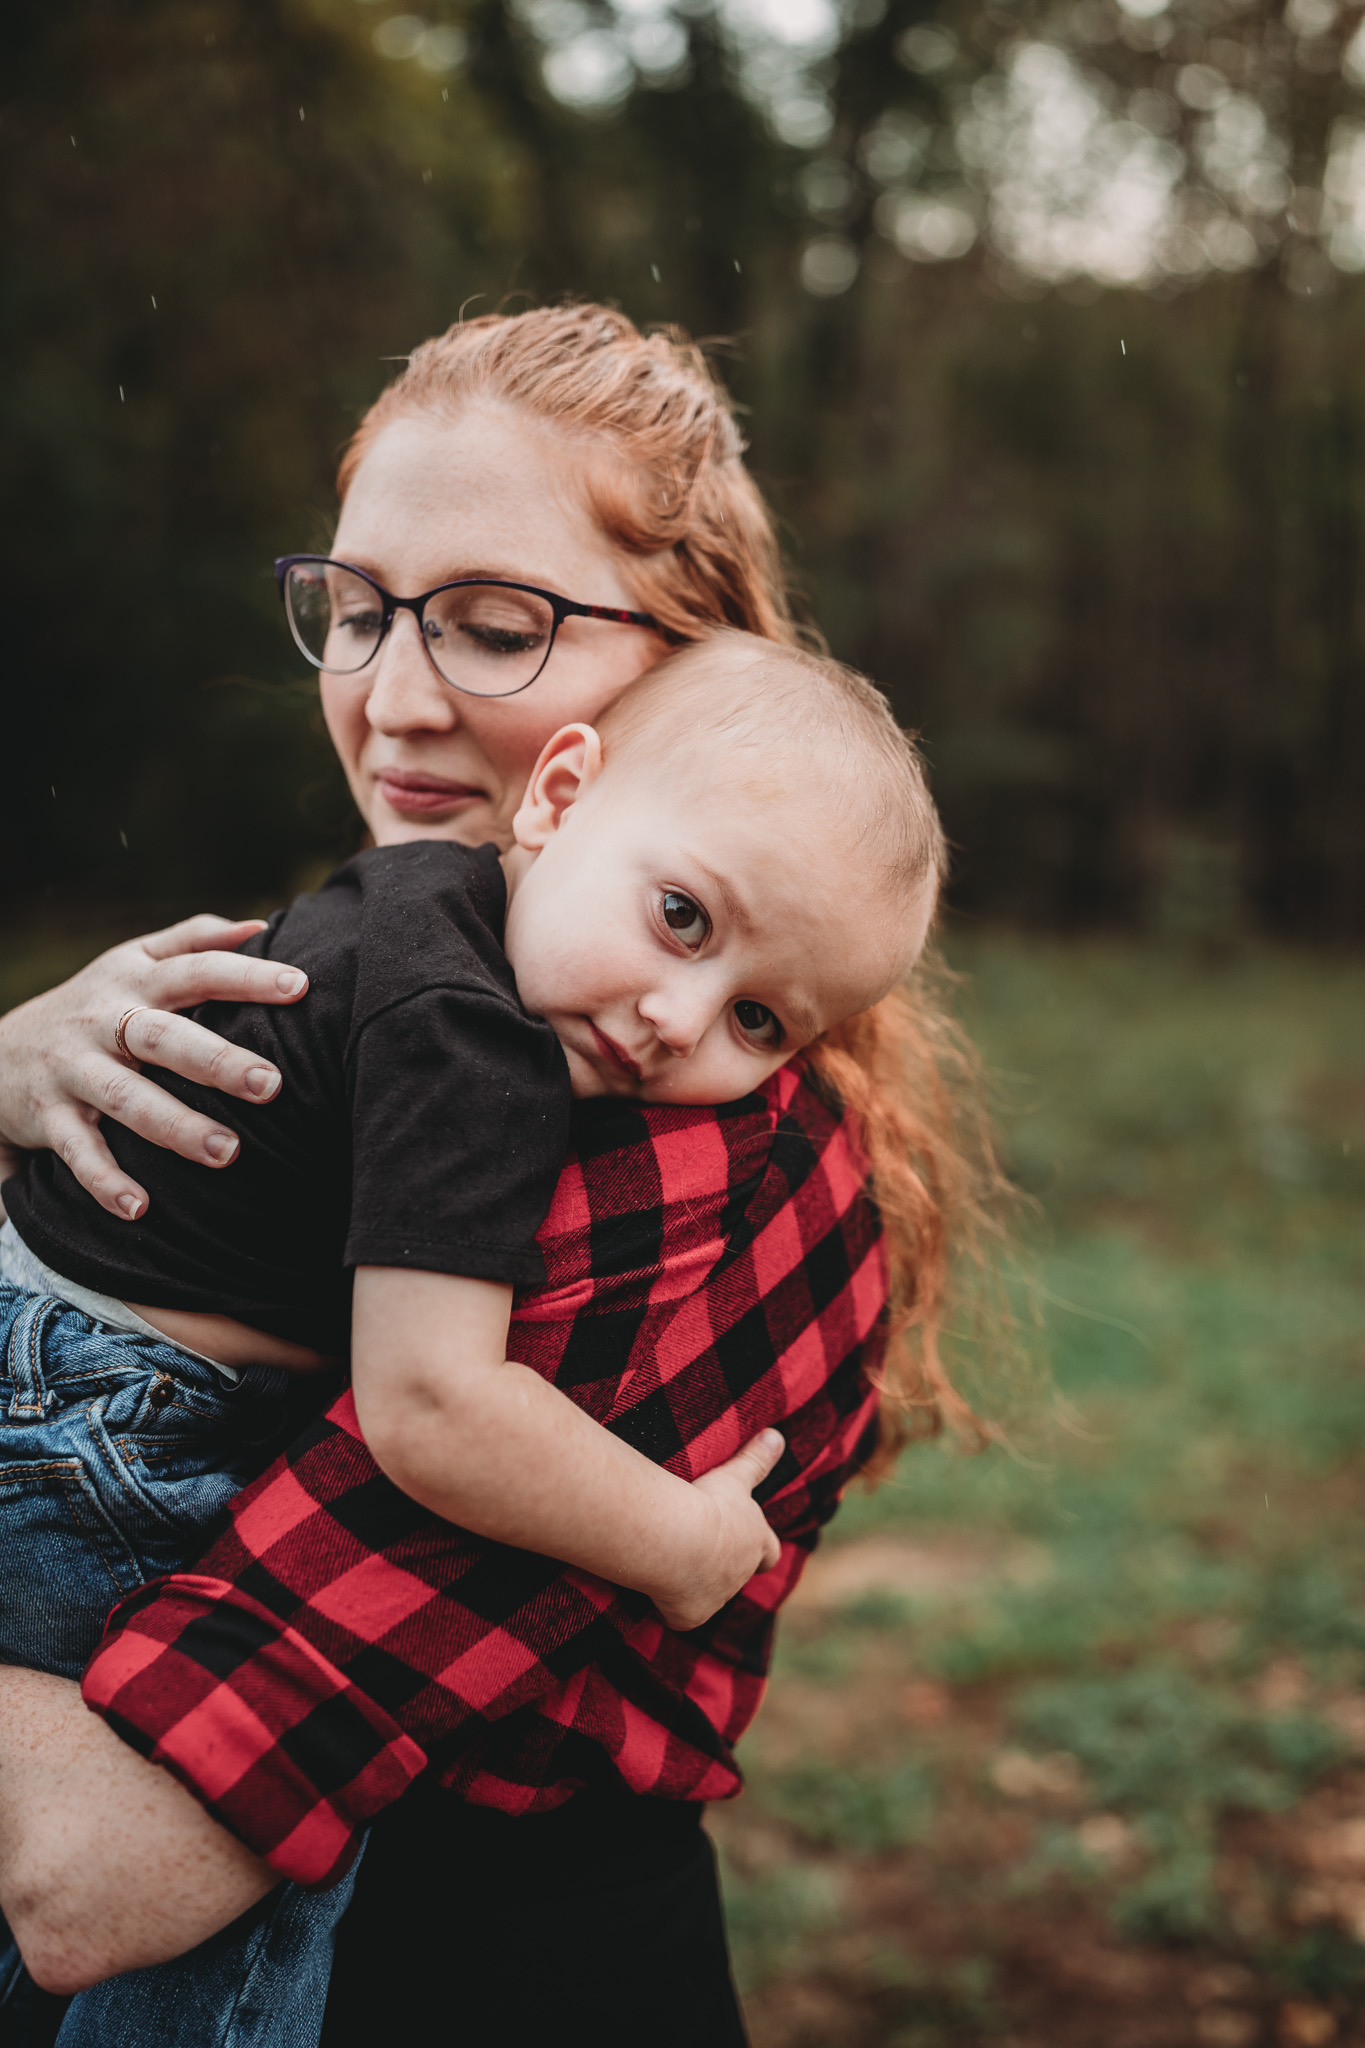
column 741, row 855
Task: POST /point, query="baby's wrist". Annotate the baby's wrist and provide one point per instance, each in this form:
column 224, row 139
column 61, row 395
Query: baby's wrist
column 687, row 1557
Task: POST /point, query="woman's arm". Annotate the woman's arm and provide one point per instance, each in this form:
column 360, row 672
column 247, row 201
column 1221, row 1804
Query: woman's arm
column 106, row 1863
column 60, row 1071
column 486, row 1443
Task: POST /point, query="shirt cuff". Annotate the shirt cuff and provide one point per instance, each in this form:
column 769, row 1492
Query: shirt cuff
column 269, row 1736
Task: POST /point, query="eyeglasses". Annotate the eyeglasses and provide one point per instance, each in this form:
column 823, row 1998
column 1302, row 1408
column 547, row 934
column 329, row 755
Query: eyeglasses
column 484, row 636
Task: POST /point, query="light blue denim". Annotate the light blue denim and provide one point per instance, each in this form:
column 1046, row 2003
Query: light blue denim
column 119, row 1454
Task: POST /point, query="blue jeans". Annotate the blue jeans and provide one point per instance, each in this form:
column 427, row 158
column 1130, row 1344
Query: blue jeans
column 119, row 1455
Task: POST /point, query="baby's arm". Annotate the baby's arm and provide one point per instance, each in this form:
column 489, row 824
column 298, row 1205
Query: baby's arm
column 487, row 1443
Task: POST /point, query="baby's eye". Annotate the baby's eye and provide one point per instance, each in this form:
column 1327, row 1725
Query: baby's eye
column 758, row 1023
column 686, row 920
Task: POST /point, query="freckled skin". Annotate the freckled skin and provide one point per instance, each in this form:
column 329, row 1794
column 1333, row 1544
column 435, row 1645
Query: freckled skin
column 489, row 494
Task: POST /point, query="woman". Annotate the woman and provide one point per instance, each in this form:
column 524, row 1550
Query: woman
column 709, row 1272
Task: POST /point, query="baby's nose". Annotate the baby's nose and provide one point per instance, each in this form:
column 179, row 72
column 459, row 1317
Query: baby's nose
column 680, row 1025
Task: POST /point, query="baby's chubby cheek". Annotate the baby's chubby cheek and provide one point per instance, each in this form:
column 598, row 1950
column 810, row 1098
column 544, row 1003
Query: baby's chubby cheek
column 548, row 987
column 585, row 1082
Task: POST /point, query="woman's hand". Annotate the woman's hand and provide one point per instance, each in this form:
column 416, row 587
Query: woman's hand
column 60, row 1070
column 740, row 1539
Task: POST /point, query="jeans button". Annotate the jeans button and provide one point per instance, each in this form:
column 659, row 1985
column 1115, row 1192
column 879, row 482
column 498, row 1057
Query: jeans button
column 162, row 1392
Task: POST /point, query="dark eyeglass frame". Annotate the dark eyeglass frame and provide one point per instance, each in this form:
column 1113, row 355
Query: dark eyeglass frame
column 561, row 608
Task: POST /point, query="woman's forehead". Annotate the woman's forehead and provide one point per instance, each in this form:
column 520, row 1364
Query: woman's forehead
column 489, row 492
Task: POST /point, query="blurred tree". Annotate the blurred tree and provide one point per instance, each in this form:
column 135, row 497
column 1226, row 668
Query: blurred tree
column 212, row 237
column 1048, row 329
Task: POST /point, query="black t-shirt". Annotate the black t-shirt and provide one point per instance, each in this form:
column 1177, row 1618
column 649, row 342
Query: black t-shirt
column 422, row 1121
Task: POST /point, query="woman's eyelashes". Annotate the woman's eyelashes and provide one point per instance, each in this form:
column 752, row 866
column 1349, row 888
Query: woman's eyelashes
column 758, row 1024
column 363, row 623
column 685, row 920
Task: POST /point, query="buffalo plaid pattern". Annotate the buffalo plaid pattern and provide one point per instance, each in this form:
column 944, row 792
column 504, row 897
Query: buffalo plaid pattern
column 709, row 1271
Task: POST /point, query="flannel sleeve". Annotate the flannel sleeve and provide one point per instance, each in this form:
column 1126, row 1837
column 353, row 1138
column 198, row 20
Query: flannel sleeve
column 337, row 1640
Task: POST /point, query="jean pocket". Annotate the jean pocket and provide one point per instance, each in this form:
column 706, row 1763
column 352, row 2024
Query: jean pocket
column 190, row 1486
column 174, row 1471
column 64, row 1562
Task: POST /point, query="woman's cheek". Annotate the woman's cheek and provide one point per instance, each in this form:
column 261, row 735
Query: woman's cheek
column 509, row 733
column 343, row 712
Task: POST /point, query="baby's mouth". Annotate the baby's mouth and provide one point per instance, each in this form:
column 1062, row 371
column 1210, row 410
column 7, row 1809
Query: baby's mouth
column 615, row 1053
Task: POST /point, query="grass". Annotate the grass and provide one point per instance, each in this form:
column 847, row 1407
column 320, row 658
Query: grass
column 1108, row 1701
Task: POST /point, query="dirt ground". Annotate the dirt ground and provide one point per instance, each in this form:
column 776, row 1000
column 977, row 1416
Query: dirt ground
column 949, row 1938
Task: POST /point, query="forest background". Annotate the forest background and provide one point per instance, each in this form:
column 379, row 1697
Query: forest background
column 1046, row 319
column 1047, row 322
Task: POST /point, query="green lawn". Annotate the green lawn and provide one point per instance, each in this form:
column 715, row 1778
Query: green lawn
column 1106, row 1701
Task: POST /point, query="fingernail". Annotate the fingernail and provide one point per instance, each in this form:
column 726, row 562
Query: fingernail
column 773, row 1440
column 262, row 1082
column 290, row 984
column 130, row 1206
column 220, row 1147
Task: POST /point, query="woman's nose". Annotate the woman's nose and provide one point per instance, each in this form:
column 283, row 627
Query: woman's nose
column 406, row 694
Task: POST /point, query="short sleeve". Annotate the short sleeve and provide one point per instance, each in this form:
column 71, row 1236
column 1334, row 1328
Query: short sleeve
column 461, row 1122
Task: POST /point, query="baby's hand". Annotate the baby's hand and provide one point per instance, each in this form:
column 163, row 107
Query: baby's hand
column 735, row 1540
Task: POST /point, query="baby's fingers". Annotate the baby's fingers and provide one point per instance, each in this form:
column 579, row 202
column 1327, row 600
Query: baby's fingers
column 732, row 1486
column 751, row 1466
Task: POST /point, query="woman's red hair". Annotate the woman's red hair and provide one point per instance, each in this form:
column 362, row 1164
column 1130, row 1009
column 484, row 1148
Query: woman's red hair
column 663, row 459
column 664, row 477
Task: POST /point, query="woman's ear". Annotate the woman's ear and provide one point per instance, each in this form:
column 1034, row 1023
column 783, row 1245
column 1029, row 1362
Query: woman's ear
column 569, row 762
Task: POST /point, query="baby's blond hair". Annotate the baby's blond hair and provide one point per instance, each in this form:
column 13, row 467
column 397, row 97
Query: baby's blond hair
column 754, row 695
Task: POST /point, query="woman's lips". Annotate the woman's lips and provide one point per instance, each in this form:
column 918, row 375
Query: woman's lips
column 415, row 795
column 615, row 1053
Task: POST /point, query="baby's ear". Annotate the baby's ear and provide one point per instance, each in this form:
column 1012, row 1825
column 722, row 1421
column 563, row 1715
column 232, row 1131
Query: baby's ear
column 569, row 762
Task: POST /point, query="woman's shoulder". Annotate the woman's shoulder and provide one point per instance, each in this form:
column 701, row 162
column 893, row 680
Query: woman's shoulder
column 688, row 1152
column 658, row 1196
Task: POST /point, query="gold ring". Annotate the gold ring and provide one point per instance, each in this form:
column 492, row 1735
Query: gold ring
column 120, row 1031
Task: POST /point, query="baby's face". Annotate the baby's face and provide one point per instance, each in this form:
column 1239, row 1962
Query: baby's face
column 684, row 934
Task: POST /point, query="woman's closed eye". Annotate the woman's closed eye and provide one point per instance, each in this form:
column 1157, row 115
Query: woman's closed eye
column 363, row 621
column 686, row 921
column 489, row 639
column 758, row 1024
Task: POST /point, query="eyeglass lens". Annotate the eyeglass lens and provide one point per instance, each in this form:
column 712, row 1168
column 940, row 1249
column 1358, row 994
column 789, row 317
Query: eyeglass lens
column 481, row 637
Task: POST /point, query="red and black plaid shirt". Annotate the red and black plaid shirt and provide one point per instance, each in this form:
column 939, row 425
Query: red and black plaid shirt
column 709, row 1271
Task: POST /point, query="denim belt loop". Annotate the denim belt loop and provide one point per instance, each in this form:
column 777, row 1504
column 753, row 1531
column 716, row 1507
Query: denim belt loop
column 29, row 1398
